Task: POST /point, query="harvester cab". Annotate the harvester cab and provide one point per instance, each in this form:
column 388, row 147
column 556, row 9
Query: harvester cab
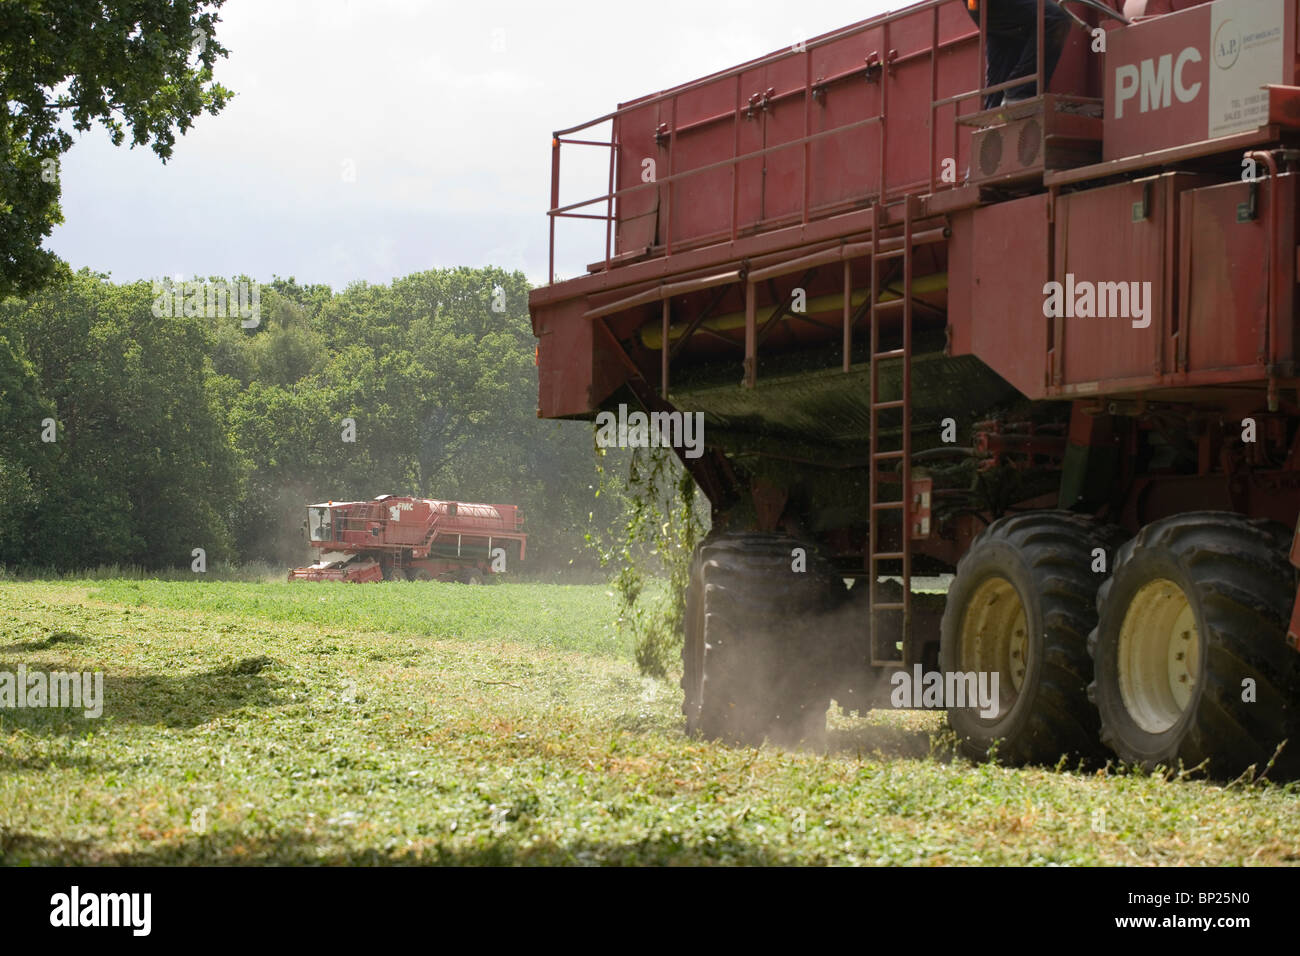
column 319, row 523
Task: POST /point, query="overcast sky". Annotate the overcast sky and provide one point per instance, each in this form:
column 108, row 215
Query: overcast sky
column 441, row 112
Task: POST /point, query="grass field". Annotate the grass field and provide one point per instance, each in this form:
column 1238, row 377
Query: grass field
column 435, row 723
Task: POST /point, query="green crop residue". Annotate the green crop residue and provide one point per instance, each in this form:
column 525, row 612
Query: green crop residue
column 652, row 556
column 436, row 723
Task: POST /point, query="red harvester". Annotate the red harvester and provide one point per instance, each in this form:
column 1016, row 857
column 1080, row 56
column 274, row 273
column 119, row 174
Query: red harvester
column 419, row 539
column 1049, row 348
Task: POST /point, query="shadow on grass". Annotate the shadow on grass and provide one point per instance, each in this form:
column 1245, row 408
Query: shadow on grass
column 11, row 763
column 179, row 702
column 55, row 639
column 297, row 848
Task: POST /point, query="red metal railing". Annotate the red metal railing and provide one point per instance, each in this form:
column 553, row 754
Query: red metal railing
column 808, row 92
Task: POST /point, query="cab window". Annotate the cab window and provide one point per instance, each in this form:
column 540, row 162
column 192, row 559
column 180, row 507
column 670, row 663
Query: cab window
column 318, row 524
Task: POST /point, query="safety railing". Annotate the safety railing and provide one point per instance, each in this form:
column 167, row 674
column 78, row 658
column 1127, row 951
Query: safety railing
column 813, row 87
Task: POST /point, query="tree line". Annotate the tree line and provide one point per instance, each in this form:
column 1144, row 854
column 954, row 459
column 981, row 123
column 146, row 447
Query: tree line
column 141, row 422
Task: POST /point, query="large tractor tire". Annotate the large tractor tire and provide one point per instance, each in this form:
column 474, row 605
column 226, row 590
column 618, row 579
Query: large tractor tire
column 755, row 663
column 1021, row 606
column 1190, row 652
column 393, row 573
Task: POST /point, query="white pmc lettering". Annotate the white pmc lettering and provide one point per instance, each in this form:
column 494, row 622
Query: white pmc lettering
column 1157, row 81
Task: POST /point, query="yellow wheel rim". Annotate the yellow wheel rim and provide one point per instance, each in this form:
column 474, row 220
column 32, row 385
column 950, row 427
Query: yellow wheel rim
column 1159, row 656
column 995, row 638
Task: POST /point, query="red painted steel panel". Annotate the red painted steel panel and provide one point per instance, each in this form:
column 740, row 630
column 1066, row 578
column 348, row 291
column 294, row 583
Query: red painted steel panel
column 999, row 253
column 840, row 161
column 1136, row 254
column 783, row 122
column 703, row 203
column 907, row 155
column 635, row 212
column 1225, row 275
column 565, row 352
column 701, row 116
column 961, row 265
column 843, row 167
column 1196, row 74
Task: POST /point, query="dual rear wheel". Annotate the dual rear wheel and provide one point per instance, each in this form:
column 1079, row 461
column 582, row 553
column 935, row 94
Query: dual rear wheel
column 1191, row 664
column 1170, row 651
column 1020, row 608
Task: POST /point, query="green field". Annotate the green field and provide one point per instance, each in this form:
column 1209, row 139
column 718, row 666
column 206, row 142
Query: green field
column 436, row 723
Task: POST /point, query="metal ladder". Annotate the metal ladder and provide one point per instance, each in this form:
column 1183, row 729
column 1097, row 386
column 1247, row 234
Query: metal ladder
column 877, row 610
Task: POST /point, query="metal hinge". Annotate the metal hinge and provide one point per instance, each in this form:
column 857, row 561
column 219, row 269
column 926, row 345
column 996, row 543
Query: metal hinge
column 1142, row 210
column 759, row 102
column 874, row 64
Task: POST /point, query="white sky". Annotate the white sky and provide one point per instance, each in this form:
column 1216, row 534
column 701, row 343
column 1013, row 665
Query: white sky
column 445, row 111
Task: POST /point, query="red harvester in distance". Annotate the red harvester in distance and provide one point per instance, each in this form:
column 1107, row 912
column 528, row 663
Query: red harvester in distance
column 419, row 539
column 1048, row 347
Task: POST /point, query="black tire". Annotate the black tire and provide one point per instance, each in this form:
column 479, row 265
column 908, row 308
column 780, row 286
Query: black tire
column 1237, row 587
column 474, row 578
column 1045, row 561
column 420, row 574
column 393, row 573
column 751, row 666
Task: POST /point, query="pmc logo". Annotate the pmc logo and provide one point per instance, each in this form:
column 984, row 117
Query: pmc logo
column 1227, row 45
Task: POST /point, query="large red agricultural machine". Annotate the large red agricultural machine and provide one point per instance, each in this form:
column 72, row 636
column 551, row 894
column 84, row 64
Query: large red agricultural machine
column 1049, row 348
column 419, row 539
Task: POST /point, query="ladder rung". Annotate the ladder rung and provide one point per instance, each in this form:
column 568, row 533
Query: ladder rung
column 884, row 656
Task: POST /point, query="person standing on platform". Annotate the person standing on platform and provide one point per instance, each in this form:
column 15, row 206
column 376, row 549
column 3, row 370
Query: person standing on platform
column 1011, row 45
